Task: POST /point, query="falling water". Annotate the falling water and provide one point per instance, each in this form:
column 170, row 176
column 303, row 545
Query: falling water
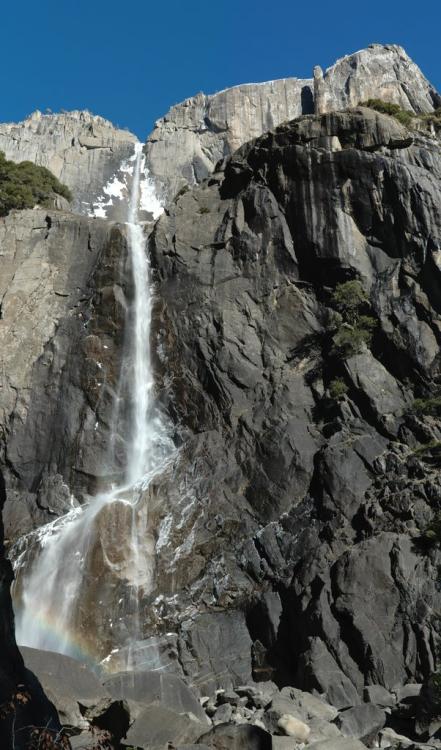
column 61, row 570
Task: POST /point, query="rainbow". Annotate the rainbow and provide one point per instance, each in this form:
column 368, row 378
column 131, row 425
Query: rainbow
column 48, row 636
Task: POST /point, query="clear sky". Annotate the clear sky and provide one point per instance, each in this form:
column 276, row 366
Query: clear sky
column 130, row 60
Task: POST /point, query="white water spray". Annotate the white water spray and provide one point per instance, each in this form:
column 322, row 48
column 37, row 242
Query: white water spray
column 62, row 566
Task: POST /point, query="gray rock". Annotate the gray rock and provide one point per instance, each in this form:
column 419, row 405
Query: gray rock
column 310, row 706
column 284, row 743
column 345, row 743
column 157, row 725
column 48, row 288
column 181, row 152
column 380, row 72
column 228, row 696
column 321, row 672
column 82, row 150
column 322, row 730
column 389, row 738
column 408, row 691
column 218, row 255
column 363, row 722
column 83, row 741
column 159, row 653
column 237, row 737
column 382, row 392
column 70, row 685
column 294, row 727
column 378, row 695
column 260, row 694
column 223, row 714
column 153, row 687
column 215, row 650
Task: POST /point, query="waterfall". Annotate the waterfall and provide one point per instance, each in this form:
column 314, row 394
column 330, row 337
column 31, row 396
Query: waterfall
column 61, row 589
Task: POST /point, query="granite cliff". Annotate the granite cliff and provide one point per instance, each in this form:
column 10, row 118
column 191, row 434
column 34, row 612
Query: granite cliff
column 83, row 151
column 193, row 136
column 296, row 334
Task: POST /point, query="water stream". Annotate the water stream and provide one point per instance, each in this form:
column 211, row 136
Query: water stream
column 62, row 568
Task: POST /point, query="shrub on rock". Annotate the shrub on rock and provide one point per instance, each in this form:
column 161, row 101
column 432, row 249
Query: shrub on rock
column 25, row 185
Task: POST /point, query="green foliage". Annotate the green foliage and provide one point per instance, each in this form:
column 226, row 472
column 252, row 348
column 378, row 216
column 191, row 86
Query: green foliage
column 393, row 110
column 348, row 298
column 25, row 185
column 349, row 340
column 337, row 389
column 427, row 407
column 204, row 210
column 352, row 328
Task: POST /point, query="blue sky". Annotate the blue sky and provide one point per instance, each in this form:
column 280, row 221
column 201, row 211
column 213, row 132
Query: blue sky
column 130, row 61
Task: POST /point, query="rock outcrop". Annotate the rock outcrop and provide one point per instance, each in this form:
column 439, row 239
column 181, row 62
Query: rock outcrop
column 82, row 150
column 186, row 144
column 379, row 72
column 193, row 136
column 298, row 508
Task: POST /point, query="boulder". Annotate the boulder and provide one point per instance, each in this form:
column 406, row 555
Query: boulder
column 293, row 727
column 237, row 737
column 338, row 743
column 156, row 726
column 389, row 738
column 223, row 714
column 155, row 687
column 320, row 671
column 408, row 693
column 378, row 695
column 310, row 706
column 362, row 722
column 259, row 695
column 215, row 650
column 284, row 743
column 70, row 684
column 322, row 730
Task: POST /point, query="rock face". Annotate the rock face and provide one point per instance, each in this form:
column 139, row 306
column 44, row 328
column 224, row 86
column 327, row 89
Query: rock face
column 193, row 136
column 186, row 144
column 62, row 321
column 378, row 72
column 297, row 508
column 82, row 150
